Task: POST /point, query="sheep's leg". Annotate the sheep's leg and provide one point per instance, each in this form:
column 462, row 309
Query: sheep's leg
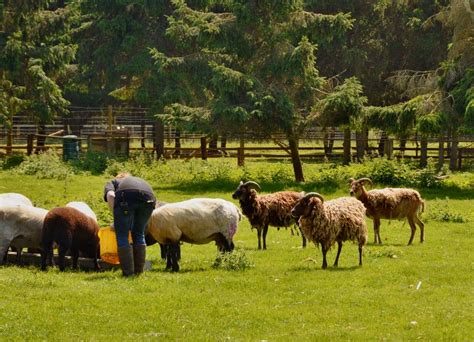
column 265, row 231
column 18, row 255
column 174, row 257
column 62, row 250
column 377, row 238
column 411, row 221
column 46, row 254
column 259, row 236
column 422, row 228
column 167, row 249
column 75, row 257
column 4, row 244
column 324, row 250
column 304, row 238
column 339, row 248
column 360, row 254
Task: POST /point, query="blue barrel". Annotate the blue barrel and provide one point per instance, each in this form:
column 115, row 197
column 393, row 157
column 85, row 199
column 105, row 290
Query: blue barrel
column 70, row 147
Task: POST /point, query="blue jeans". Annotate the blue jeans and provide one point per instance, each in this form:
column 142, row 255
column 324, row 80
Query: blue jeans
column 131, row 213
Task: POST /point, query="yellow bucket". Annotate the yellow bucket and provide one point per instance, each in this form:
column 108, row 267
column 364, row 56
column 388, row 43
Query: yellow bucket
column 108, row 245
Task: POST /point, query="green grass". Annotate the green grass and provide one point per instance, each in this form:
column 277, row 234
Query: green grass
column 284, row 296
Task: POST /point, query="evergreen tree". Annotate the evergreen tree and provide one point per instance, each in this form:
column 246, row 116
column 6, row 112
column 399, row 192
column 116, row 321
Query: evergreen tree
column 35, row 52
column 249, row 64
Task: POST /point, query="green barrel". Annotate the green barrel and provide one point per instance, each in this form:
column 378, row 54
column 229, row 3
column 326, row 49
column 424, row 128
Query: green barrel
column 70, row 147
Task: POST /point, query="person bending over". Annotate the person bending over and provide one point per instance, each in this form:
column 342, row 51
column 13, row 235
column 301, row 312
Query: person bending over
column 132, row 201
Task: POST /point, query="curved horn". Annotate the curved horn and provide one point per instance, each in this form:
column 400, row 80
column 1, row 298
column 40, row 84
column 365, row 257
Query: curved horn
column 368, row 180
column 351, row 180
column 252, row 185
column 314, row 194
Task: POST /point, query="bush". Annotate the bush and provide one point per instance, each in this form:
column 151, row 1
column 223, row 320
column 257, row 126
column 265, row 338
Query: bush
column 439, row 211
column 235, row 261
column 45, row 165
column 94, row 162
column 12, row 161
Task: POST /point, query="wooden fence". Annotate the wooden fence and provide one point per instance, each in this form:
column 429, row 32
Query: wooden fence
column 124, row 144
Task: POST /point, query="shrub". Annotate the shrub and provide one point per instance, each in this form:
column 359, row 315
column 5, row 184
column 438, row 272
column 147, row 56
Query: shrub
column 95, row 162
column 440, row 211
column 45, row 165
column 235, row 261
column 12, row 161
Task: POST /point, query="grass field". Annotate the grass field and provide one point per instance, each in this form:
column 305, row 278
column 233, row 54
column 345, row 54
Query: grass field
column 424, row 291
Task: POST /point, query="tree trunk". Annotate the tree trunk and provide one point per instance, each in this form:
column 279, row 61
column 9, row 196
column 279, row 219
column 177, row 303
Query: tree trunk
column 224, row 144
column 360, row 145
column 347, row 146
column 403, row 145
column 213, row 144
column 159, row 139
column 295, row 159
column 453, row 157
column 40, row 142
column 328, row 141
column 177, row 142
column 9, row 140
column 383, row 139
column 441, row 151
column 424, row 151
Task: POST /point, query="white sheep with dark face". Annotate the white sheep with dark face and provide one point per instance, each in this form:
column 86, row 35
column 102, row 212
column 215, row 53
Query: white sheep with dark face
column 326, row 223
column 195, row 221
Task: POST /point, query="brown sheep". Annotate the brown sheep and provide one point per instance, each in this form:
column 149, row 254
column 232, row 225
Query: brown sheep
column 71, row 230
column 333, row 221
column 266, row 210
column 389, row 203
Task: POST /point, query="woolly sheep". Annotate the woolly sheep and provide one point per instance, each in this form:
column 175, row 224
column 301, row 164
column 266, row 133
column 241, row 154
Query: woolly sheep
column 20, row 227
column 389, row 203
column 13, row 199
column 84, row 208
column 333, row 221
column 266, row 210
column 195, row 221
column 71, row 230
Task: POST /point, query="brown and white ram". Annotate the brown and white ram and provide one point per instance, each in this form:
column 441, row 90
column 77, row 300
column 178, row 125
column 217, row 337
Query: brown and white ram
column 389, row 203
column 266, row 210
column 326, row 223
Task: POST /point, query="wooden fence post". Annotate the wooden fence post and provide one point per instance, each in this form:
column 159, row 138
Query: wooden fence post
column 203, row 148
column 29, row 144
column 241, row 152
column 159, row 139
column 9, row 141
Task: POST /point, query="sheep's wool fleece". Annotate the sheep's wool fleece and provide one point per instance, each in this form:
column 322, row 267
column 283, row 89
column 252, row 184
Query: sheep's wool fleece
column 195, row 220
column 393, row 203
column 341, row 219
column 272, row 209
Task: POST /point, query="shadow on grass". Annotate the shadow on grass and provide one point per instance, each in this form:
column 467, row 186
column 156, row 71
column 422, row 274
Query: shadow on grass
column 452, row 192
column 318, row 268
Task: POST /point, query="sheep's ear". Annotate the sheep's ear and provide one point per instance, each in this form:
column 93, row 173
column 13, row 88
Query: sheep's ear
column 241, row 183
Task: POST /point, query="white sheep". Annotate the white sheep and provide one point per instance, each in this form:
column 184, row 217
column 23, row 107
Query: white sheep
column 389, row 203
column 333, row 221
column 84, row 208
column 195, row 221
column 10, row 199
column 20, row 227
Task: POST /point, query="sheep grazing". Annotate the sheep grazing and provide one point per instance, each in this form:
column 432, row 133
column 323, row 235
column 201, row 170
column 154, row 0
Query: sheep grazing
column 389, row 203
column 333, row 221
column 195, row 221
column 20, row 227
column 266, row 210
column 13, row 199
column 84, row 208
column 71, row 230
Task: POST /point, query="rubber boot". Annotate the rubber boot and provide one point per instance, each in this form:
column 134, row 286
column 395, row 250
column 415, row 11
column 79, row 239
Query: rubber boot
column 139, row 254
column 125, row 255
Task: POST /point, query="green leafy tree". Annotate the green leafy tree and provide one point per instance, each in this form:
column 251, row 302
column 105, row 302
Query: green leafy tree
column 35, row 53
column 250, row 64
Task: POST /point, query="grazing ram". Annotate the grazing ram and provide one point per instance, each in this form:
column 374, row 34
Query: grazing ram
column 20, row 227
column 71, row 230
column 389, row 203
column 333, row 221
column 266, row 210
column 195, row 221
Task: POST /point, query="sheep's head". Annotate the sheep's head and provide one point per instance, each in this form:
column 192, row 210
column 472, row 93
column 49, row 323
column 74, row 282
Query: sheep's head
column 304, row 205
column 357, row 186
column 243, row 190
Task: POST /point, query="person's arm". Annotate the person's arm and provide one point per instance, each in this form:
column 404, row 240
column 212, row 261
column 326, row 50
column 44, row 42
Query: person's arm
column 110, row 197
